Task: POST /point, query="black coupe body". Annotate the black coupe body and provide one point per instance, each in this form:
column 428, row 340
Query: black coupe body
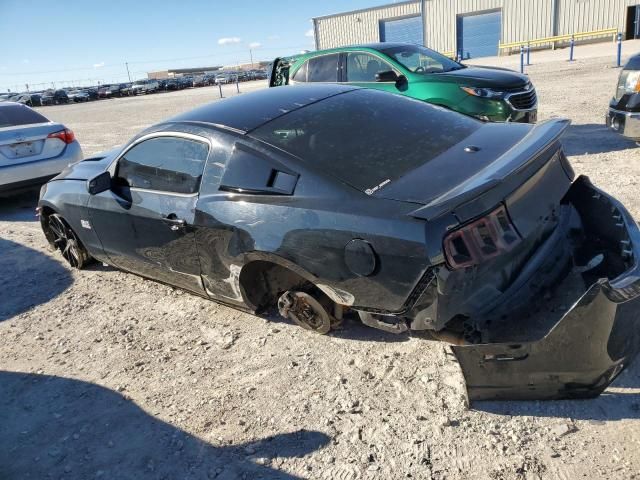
column 328, row 200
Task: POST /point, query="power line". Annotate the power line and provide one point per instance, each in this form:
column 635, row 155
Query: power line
column 141, row 62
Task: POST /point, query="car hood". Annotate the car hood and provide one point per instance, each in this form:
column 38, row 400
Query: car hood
column 490, row 77
column 496, row 157
column 89, row 167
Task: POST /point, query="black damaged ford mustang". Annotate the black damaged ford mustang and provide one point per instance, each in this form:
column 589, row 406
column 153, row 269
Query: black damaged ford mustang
column 328, row 201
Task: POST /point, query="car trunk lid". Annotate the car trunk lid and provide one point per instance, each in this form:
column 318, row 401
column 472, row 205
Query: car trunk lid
column 486, row 167
column 28, row 143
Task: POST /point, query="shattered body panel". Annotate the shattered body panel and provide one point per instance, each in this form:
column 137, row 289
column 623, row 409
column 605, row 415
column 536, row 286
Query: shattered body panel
column 588, row 347
column 437, row 222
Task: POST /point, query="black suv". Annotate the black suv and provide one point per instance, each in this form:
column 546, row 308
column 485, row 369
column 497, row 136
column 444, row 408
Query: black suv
column 54, row 97
column 624, row 108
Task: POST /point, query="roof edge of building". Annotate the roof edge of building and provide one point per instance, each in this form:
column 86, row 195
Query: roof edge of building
column 368, row 9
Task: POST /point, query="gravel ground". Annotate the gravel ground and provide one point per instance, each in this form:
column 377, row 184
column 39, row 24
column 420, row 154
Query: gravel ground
column 106, row 375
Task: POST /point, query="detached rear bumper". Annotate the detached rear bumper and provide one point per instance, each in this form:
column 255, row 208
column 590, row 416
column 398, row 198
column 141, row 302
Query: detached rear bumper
column 625, row 123
column 589, row 346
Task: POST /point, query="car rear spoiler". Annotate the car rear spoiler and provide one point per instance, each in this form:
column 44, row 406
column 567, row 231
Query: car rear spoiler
column 509, row 170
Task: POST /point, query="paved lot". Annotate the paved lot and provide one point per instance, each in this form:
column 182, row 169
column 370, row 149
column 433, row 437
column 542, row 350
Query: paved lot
column 106, row 375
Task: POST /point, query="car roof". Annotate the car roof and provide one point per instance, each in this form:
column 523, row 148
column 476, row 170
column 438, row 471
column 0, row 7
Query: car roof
column 378, row 46
column 381, row 45
column 248, row 111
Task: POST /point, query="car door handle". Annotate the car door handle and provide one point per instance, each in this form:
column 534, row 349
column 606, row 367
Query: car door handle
column 174, row 222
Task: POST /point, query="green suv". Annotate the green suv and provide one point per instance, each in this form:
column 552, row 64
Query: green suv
column 487, row 93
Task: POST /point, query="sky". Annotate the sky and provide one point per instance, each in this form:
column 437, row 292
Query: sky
column 86, row 42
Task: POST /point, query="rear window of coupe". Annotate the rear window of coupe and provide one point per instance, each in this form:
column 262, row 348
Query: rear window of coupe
column 16, row 115
column 367, row 138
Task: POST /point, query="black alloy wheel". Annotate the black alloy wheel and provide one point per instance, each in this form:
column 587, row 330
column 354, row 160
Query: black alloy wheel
column 67, row 242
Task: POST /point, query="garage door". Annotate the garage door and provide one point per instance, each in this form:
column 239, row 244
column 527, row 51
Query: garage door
column 406, row 30
column 479, row 35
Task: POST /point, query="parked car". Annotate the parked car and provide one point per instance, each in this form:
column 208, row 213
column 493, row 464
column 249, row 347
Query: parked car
column 93, row 93
column 28, row 99
column 144, row 87
column 199, row 81
column 110, row 91
column 259, row 75
column 125, row 89
column 332, row 201
column 54, row 97
column 172, row 84
column 624, row 108
column 32, row 148
column 78, row 96
column 487, row 93
column 185, row 82
column 210, row 79
column 223, row 78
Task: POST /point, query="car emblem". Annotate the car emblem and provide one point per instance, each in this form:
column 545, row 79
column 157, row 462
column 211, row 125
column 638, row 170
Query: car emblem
column 20, row 139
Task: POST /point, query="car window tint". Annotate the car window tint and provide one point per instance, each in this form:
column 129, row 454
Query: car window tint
column 323, row 69
column 167, row 164
column 367, row 138
column 419, row 59
column 15, row 115
column 301, row 74
column 362, row 67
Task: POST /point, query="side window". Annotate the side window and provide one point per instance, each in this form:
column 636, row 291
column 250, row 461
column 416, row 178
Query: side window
column 169, row 164
column 362, row 67
column 323, row 69
column 301, row 74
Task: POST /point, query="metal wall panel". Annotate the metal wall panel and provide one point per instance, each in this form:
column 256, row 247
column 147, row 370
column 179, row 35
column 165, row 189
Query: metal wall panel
column 361, row 26
column 521, row 20
column 587, row 15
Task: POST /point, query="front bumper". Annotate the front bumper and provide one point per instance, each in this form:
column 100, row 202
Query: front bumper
column 625, row 123
column 586, row 349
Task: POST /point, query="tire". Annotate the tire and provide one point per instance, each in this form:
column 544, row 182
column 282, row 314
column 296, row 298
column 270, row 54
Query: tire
column 65, row 240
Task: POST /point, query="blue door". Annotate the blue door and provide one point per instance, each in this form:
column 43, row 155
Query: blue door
column 479, row 34
column 405, row 30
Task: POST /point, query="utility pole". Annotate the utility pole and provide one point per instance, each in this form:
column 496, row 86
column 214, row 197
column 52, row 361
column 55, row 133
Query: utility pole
column 128, row 74
column 251, row 55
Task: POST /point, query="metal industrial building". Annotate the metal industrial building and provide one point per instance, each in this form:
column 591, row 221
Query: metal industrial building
column 477, row 28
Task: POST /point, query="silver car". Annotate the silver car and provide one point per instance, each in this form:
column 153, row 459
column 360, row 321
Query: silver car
column 32, row 148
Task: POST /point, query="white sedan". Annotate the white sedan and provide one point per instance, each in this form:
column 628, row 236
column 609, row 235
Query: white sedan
column 32, row 148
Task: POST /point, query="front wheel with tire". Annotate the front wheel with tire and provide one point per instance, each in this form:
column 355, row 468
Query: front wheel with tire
column 65, row 240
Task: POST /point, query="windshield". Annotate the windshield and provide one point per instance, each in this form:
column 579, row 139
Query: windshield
column 367, row 138
column 419, row 59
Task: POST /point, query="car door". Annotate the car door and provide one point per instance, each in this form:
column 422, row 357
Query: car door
column 360, row 68
column 145, row 221
column 320, row 69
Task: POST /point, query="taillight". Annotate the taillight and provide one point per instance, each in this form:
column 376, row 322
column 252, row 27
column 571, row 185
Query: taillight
column 66, row 135
column 480, row 240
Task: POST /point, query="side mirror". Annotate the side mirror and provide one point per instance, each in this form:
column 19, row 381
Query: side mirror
column 99, row 184
column 387, row 76
column 402, row 83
